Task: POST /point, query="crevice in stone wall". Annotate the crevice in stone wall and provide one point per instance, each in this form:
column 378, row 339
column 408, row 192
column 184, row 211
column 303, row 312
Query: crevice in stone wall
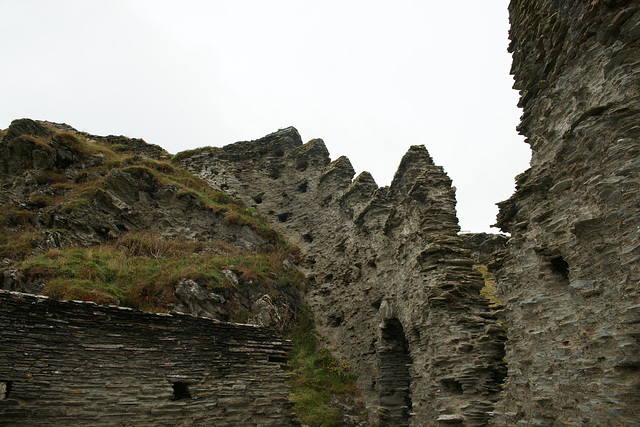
column 452, row 386
column 283, row 217
column 395, row 378
column 180, row 391
column 274, row 173
column 560, row 267
column 334, row 320
column 277, row 359
column 258, row 198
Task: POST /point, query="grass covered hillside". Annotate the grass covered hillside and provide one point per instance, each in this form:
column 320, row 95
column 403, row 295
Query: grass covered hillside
column 112, row 220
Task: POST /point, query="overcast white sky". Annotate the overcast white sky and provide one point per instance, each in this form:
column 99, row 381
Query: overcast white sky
column 369, row 77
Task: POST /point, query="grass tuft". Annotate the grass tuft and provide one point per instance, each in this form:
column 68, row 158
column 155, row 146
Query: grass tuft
column 17, row 245
column 189, row 153
column 43, row 142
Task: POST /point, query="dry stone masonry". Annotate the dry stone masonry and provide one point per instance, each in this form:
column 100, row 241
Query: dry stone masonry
column 571, row 275
column 73, row 363
column 391, row 288
column 391, row 283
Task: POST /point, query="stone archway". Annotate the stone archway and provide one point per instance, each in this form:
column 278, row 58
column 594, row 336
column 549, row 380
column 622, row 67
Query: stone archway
column 394, row 384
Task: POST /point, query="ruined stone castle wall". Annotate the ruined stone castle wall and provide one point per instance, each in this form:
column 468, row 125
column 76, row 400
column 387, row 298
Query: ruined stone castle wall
column 79, row 364
column 570, row 281
column 391, row 286
column 392, row 291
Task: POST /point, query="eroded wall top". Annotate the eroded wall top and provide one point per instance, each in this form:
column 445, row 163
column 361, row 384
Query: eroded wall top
column 391, row 288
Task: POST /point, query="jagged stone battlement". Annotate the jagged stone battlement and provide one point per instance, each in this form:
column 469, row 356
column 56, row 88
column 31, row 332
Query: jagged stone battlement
column 389, row 283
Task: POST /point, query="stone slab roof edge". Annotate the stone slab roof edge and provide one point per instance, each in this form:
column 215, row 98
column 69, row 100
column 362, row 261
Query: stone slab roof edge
column 40, row 298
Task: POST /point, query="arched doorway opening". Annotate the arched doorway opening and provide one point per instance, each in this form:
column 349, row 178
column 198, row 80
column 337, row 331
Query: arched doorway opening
column 394, row 383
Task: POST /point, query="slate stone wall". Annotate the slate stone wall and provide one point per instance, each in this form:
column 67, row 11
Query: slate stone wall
column 72, row 363
column 571, row 277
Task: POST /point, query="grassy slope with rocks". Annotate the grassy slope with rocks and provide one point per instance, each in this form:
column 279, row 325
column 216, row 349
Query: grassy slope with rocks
column 114, row 221
column 77, row 221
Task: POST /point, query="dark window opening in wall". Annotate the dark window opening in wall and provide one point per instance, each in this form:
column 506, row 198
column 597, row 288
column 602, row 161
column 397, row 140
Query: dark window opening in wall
column 5, row 389
column 181, row 391
column 302, row 164
column 452, row 386
column 283, row 217
column 277, row 359
column 395, row 378
column 274, row 172
column 258, row 198
column 560, row 266
column 334, row 320
column 307, row 237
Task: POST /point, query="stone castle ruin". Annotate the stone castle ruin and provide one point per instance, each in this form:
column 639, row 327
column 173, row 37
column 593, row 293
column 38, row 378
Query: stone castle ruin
column 392, row 283
column 391, row 287
column 570, row 280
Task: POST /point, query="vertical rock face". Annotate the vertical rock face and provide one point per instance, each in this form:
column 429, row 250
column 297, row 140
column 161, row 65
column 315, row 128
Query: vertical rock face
column 570, row 281
column 390, row 286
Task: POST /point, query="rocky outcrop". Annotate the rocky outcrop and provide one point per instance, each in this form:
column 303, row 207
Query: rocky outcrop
column 118, row 199
column 392, row 290
column 570, row 278
column 120, row 143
